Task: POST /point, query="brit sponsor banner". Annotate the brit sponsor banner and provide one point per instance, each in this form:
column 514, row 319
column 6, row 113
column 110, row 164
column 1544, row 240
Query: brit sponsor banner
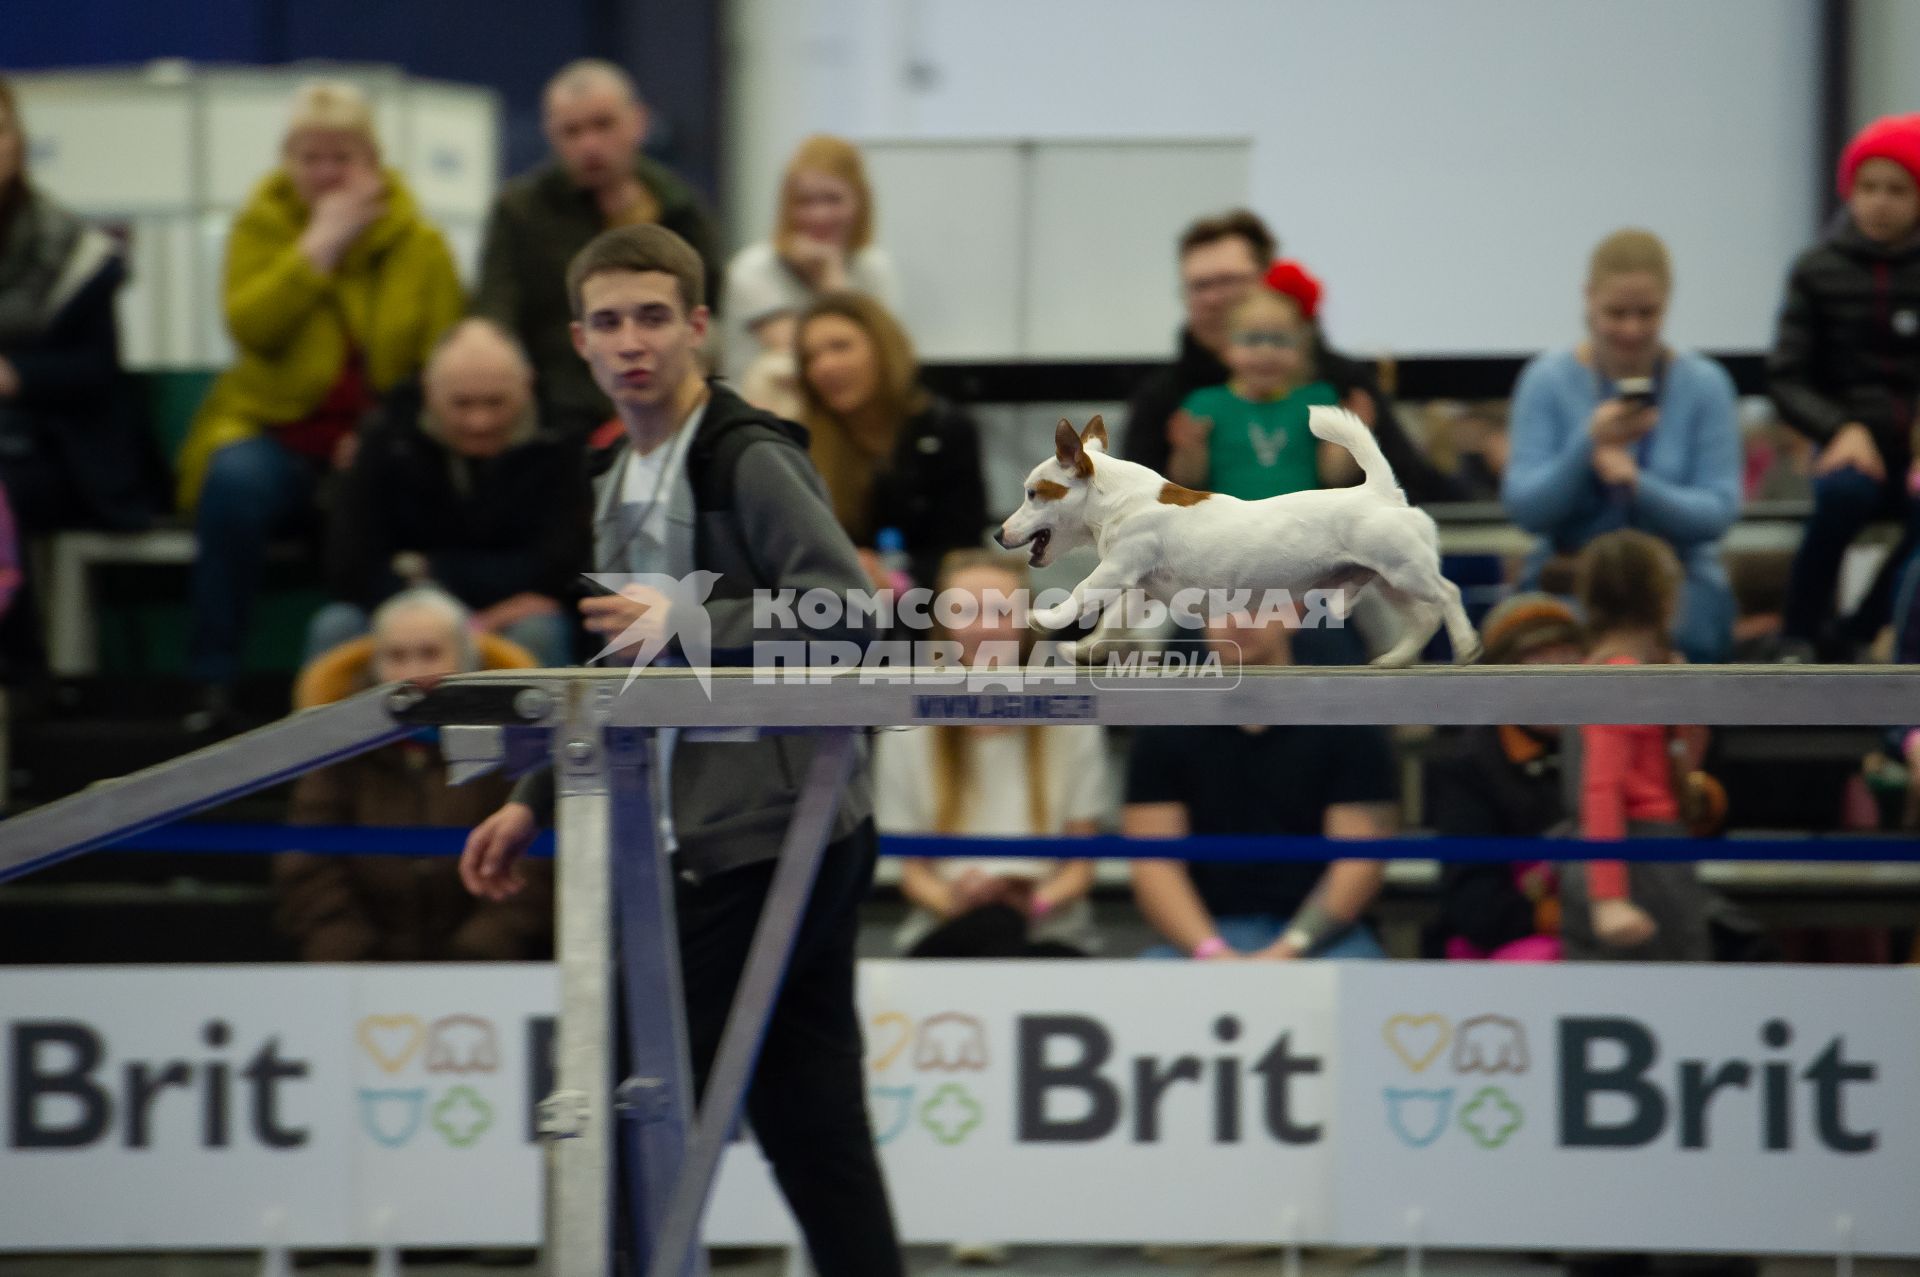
column 232, row 1106
column 1088, row 1101
column 1654, row 1107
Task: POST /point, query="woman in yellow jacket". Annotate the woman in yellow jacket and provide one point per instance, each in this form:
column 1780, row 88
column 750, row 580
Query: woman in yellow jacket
column 336, row 289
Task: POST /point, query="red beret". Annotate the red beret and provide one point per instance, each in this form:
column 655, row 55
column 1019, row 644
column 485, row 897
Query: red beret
column 1891, row 137
column 1290, row 277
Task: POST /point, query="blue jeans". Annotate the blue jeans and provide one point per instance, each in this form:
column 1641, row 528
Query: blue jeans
column 253, row 489
column 548, row 638
column 1844, row 503
column 1247, row 933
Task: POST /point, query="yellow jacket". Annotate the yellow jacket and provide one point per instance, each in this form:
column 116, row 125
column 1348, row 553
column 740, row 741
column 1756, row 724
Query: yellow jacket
column 394, row 292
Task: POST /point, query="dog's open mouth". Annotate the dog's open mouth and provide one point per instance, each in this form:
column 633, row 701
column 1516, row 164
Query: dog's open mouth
column 1037, row 547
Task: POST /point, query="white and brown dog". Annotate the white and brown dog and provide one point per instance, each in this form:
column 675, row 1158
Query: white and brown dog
column 1160, row 538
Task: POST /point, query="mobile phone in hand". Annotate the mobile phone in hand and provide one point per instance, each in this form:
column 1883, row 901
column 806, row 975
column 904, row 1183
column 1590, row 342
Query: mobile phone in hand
column 1637, row 391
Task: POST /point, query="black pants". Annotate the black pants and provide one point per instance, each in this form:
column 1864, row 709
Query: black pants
column 807, row 1101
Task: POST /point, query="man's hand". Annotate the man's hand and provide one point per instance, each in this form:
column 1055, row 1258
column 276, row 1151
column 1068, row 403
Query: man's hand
column 1615, row 466
column 1617, row 422
column 1852, row 448
column 640, row 609
column 1281, row 950
column 490, row 863
column 627, row 202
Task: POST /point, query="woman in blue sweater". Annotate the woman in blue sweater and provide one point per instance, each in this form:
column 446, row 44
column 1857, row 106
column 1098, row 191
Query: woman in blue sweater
column 1587, row 459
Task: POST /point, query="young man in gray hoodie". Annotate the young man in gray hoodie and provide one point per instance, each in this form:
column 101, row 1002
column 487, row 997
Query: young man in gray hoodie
column 702, row 481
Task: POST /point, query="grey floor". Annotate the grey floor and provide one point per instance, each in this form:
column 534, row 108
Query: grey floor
column 1024, row 1262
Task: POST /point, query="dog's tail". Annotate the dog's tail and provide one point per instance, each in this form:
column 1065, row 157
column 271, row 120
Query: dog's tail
column 1337, row 425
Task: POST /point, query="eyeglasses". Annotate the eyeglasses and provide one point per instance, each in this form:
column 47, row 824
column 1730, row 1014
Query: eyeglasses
column 1206, row 284
column 1278, row 341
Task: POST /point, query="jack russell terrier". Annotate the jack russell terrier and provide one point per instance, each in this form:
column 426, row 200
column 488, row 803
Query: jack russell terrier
column 1160, row 538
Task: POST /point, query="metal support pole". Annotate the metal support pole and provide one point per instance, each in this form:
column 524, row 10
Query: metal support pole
column 654, row 1101
column 786, row 903
column 576, row 1117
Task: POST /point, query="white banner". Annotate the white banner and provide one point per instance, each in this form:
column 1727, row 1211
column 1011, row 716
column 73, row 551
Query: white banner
column 1088, row 1102
column 1752, row 1109
column 1354, row 1103
column 232, row 1106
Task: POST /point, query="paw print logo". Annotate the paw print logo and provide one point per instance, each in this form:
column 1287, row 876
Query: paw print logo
column 462, row 1117
column 952, row 1114
column 1491, row 1117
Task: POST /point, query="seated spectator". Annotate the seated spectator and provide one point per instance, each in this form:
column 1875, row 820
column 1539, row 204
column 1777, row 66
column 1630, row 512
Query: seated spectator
column 993, row 782
column 892, row 455
column 1587, row 459
column 399, row 908
column 1631, row 777
column 337, row 290
column 1222, row 261
column 1845, row 372
column 1249, row 437
column 597, row 179
column 822, row 243
column 1505, row 782
column 467, row 494
column 1332, row 782
column 70, row 456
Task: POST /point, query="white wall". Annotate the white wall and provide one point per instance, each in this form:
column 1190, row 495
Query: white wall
column 1444, row 166
column 1886, row 51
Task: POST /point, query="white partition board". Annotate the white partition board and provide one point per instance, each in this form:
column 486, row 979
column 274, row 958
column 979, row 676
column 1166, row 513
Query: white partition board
column 951, row 216
column 1100, row 278
column 110, row 144
column 1043, row 249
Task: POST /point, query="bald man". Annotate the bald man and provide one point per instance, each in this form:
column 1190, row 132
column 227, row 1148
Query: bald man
column 597, row 178
column 464, row 491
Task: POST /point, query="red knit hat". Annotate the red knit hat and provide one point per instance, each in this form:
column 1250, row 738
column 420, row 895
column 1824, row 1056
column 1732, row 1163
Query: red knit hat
column 1891, row 137
column 1290, row 277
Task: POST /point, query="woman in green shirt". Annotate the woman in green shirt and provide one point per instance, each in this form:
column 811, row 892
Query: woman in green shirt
column 1249, row 438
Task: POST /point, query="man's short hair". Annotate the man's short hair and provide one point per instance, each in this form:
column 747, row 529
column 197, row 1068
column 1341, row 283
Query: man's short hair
column 639, row 249
column 589, row 73
column 1238, row 223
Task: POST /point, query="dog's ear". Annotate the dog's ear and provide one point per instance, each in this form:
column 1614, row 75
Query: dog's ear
column 1096, row 432
column 1066, row 445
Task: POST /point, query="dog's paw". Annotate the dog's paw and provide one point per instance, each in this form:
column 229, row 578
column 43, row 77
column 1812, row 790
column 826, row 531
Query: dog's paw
column 1394, row 659
column 1057, row 617
column 1068, row 650
column 1468, row 655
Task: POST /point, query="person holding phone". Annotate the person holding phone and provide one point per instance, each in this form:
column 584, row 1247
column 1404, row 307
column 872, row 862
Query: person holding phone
column 1624, row 431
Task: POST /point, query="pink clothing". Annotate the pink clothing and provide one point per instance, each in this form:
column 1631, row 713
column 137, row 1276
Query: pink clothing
column 1625, row 775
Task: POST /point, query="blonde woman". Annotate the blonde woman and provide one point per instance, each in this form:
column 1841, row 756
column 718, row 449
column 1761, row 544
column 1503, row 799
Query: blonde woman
column 892, row 455
column 337, row 290
column 994, row 781
column 822, row 243
column 1623, row 431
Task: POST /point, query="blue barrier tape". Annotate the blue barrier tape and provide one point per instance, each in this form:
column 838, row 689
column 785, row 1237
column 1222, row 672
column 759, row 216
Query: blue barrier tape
column 438, row 841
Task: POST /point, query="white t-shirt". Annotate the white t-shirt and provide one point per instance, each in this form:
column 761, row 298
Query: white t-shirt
column 760, row 284
column 1079, row 787
column 646, row 494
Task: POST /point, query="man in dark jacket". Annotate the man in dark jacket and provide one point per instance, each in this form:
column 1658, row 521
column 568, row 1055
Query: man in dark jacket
column 1845, row 372
column 1222, row 259
column 468, row 494
column 595, row 123
column 702, row 481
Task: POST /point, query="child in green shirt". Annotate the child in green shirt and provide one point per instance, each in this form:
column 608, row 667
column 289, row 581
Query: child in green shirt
column 1249, row 438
